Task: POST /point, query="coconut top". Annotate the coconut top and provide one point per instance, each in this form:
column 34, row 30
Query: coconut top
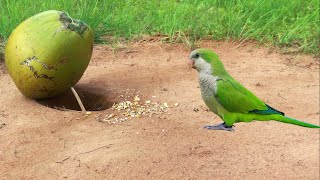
column 73, row 24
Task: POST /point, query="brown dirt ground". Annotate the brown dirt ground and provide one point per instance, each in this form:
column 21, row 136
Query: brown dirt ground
column 38, row 142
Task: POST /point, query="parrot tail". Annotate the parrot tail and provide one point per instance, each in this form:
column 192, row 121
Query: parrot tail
column 289, row 120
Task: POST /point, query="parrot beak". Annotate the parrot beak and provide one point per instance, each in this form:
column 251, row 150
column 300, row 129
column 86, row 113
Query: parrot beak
column 191, row 64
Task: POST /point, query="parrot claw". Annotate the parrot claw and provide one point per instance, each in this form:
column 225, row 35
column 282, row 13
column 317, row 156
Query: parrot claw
column 221, row 126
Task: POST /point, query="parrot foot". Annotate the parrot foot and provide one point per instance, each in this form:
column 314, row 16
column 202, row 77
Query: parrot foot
column 221, row 126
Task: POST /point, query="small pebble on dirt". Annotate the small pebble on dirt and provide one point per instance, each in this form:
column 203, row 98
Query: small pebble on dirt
column 2, row 125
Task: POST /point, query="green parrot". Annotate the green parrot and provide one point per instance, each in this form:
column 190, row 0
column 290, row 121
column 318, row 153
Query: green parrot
column 227, row 98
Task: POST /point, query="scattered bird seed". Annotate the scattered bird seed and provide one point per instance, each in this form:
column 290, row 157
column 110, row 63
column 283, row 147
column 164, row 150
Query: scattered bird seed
column 135, row 108
column 137, row 98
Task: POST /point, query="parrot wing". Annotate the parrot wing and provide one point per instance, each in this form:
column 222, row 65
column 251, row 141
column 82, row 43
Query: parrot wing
column 236, row 98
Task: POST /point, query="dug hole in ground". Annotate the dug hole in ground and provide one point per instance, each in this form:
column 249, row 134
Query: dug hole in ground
column 45, row 140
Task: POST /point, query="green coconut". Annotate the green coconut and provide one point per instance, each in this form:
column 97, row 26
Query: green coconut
column 48, row 53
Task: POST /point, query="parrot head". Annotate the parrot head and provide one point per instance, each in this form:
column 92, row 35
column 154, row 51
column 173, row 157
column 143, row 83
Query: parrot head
column 205, row 60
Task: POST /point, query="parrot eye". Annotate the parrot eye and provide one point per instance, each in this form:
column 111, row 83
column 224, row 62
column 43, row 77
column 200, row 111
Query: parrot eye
column 197, row 56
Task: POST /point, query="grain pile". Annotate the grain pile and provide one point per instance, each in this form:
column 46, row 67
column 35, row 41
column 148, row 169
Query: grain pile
column 134, row 107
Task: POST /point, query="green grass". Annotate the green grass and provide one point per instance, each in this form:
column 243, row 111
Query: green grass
column 293, row 23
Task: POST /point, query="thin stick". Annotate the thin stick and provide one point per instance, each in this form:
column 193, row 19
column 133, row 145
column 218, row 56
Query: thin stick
column 78, row 99
column 106, row 146
column 63, row 160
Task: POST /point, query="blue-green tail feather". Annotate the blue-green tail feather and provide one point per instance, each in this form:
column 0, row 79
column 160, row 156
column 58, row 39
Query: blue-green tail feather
column 289, row 120
column 269, row 111
column 279, row 116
